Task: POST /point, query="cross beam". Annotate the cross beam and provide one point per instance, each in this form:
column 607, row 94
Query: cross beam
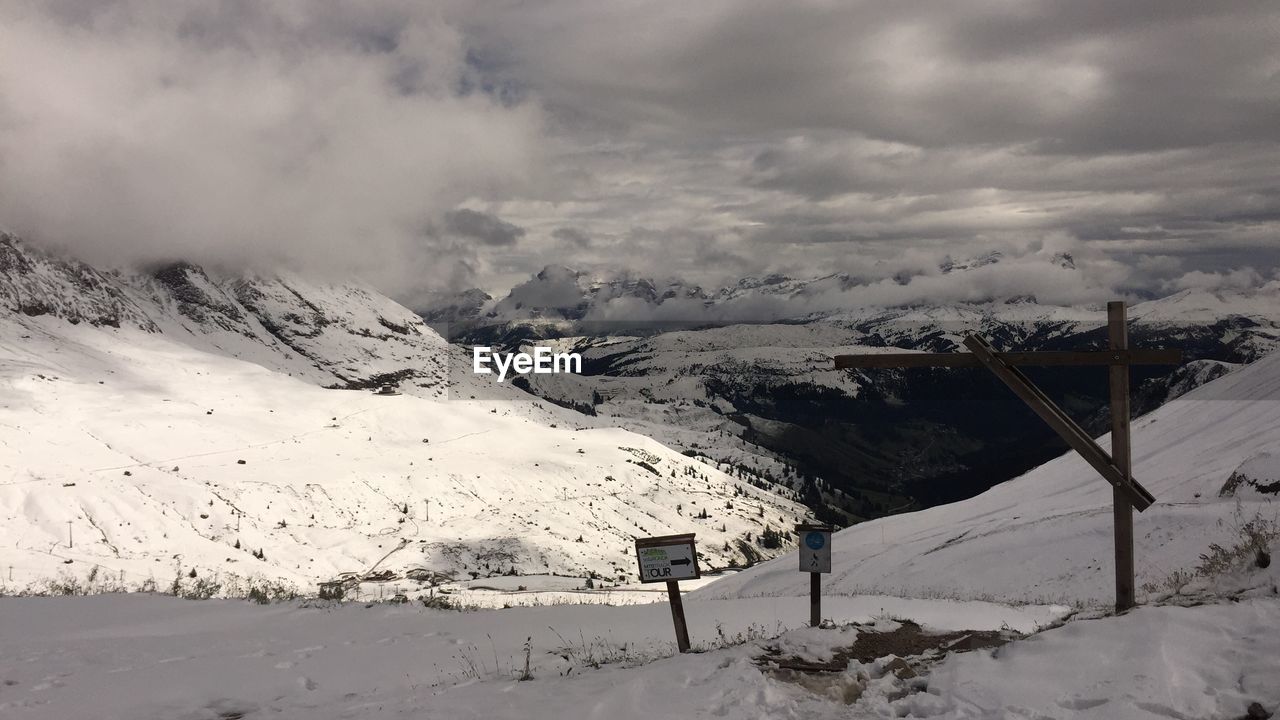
column 1116, row 467
column 1043, row 358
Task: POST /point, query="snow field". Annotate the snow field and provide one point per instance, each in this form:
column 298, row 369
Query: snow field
column 118, row 657
column 141, row 656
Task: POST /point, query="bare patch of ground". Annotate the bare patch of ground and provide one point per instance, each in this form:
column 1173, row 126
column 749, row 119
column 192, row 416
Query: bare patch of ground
column 903, row 651
column 908, row 640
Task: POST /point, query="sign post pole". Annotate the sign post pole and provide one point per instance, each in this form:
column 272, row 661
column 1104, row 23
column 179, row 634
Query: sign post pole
column 677, row 615
column 814, row 542
column 815, row 599
column 670, row 559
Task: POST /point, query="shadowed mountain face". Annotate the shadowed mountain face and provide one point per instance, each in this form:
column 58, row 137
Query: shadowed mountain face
column 336, row 335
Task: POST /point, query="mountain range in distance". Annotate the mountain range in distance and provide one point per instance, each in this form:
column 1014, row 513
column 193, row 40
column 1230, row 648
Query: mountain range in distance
column 736, row 409
column 689, row 366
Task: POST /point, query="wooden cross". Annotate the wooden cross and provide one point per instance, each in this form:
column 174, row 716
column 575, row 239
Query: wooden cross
column 1116, row 467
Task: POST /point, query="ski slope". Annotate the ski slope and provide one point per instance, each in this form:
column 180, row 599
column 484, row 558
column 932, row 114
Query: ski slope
column 1046, row 536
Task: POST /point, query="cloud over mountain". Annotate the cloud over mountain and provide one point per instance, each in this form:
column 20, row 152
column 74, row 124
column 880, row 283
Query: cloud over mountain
column 327, row 137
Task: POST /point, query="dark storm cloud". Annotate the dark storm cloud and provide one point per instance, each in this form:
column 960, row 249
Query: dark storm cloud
column 836, row 129
column 1076, row 76
column 488, row 229
column 699, row 139
column 572, row 235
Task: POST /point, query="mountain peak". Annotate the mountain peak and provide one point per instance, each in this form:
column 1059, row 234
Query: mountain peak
column 989, row 258
column 34, row 282
column 453, row 307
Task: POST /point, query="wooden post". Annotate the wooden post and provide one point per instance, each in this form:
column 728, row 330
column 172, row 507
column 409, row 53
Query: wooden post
column 677, row 615
column 1121, row 457
column 815, row 599
column 1117, row 466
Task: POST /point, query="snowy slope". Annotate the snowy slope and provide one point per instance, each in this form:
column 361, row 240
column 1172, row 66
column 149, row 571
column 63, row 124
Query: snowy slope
column 1210, row 305
column 673, row 385
column 1046, row 536
column 137, row 441
column 149, row 424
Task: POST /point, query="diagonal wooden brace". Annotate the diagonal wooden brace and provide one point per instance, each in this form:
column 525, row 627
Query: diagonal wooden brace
column 1076, row 437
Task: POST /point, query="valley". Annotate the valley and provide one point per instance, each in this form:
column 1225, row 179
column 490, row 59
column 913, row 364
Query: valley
column 853, row 445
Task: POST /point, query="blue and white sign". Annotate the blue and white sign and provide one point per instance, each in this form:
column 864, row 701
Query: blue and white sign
column 815, row 548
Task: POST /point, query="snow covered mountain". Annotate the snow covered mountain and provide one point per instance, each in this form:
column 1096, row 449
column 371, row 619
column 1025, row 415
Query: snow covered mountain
column 557, row 301
column 557, row 293
column 177, row 429
column 856, row 445
column 346, row 335
column 561, row 302
column 866, row 443
column 174, row 425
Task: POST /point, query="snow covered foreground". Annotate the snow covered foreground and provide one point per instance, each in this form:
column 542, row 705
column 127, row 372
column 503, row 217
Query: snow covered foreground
column 1046, row 536
column 116, row 657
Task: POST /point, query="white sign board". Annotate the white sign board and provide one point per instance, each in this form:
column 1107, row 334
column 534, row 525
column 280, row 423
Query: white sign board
column 815, row 549
column 663, row 559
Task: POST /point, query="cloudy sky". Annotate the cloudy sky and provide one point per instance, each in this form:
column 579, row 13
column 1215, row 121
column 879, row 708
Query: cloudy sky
column 427, row 145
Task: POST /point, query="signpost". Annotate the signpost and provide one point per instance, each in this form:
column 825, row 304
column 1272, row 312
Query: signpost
column 815, row 559
column 670, row 559
column 1116, row 467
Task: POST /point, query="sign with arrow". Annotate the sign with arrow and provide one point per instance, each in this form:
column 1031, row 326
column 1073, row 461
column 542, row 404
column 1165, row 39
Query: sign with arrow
column 672, row 557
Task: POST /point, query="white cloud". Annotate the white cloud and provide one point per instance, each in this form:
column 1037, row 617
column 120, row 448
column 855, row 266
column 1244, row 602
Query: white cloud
column 1238, row 279
column 322, row 136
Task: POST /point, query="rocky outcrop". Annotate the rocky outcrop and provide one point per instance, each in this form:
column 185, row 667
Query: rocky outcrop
column 1257, row 476
column 34, row 283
